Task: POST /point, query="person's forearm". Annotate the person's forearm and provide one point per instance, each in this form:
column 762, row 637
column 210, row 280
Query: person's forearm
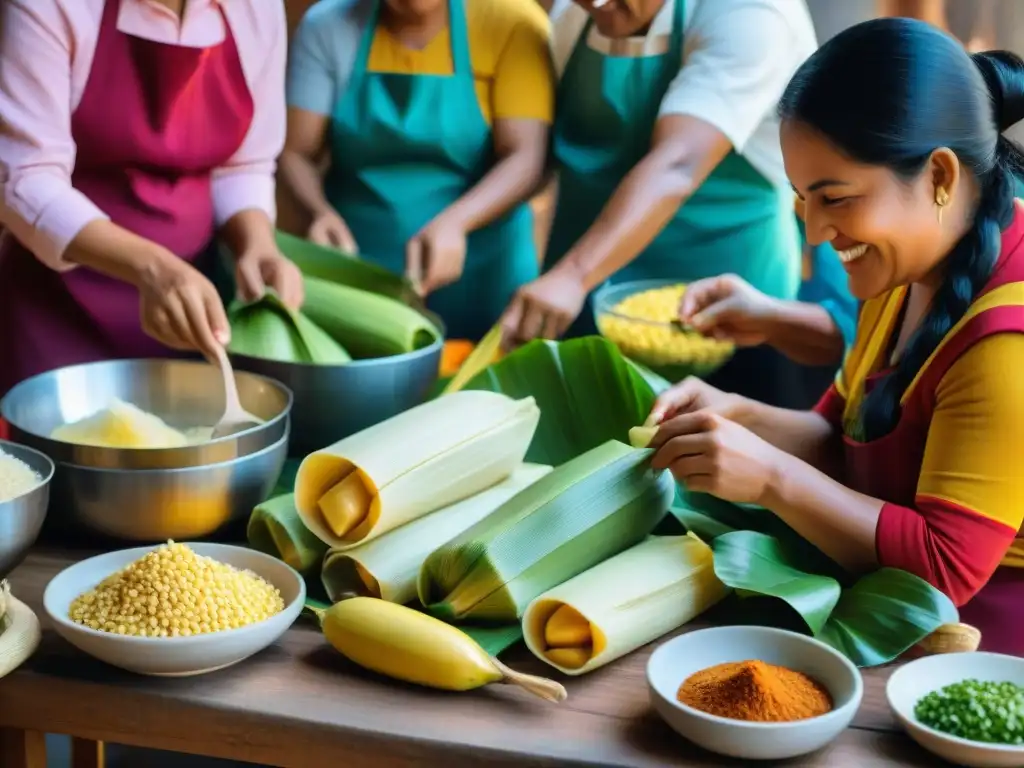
column 643, row 204
column 513, row 179
column 837, row 520
column 115, row 252
column 806, row 435
column 805, row 333
column 300, row 177
column 248, row 230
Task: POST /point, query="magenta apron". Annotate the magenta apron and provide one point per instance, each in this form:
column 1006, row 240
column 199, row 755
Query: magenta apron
column 154, row 121
column 888, row 468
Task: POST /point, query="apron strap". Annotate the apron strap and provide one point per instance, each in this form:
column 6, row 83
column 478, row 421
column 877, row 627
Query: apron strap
column 459, row 36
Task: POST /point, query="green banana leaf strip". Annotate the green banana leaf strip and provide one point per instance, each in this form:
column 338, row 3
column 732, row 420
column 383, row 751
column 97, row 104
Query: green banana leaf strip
column 587, row 392
column 885, row 614
column 756, row 564
column 338, row 267
column 268, row 329
column 276, row 529
column 494, row 640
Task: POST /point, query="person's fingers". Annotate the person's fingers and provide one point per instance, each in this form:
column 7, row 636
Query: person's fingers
column 703, row 293
column 680, row 447
column 696, row 423
column 285, row 278
column 345, row 240
column 555, row 326
column 200, row 325
column 156, row 325
column 414, row 266
column 716, row 314
column 250, row 280
column 534, row 317
column 677, row 399
column 318, row 234
column 687, row 467
column 217, row 318
column 178, row 325
column 510, row 323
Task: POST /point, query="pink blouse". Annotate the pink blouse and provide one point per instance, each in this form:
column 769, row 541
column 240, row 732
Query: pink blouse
column 47, row 50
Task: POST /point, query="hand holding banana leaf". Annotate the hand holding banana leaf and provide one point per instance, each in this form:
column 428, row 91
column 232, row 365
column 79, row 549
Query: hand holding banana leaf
column 711, row 454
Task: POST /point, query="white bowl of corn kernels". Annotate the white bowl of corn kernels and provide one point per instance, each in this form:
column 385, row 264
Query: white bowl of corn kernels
column 177, row 609
column 639, row 317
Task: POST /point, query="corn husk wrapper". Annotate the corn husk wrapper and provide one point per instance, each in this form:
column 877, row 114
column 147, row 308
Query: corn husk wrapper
column 417, row 462
column 623, row 603
column 387, row 567
column 585, row 511
column 276, row 529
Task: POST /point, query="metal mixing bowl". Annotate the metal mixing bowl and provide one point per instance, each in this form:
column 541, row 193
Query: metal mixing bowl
column 158, row 504
column 335, row 401
column 21, row 518
column 183, row 393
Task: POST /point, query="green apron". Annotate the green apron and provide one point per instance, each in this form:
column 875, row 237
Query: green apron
column 404, row 148
column 736, row 222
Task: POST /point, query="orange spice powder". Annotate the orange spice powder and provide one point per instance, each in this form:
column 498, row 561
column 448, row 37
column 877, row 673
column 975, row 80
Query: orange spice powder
column 755, row 691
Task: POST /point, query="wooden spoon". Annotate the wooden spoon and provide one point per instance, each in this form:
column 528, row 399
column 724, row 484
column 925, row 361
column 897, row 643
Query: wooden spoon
column 235, row 419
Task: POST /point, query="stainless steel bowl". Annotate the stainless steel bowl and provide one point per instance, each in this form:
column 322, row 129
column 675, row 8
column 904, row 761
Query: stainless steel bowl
column 183, row 393
column 21, row 518
column 158, row 504
column 335, row 401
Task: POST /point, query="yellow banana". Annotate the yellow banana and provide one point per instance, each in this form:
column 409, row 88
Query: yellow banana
column 399, row 642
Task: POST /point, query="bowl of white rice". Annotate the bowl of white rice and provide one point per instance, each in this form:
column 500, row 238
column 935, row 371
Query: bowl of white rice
column 25, row 476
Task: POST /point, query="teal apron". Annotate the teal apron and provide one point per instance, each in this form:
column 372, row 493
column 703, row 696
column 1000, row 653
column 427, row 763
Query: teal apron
column 736, row 222
column 404, row 148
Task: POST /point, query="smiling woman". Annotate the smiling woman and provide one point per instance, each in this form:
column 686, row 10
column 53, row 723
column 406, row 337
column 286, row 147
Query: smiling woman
column 891, row 137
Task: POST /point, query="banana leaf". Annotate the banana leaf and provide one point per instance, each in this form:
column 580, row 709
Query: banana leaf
column 587, row 392
column 276, row 529
column 337, row 267
column 268, row 329
column 871, row 620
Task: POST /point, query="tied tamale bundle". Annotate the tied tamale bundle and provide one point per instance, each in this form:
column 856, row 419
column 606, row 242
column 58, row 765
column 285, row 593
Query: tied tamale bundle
column 276, row 529
column 625, row 602
column 585, row 511
column 387, row 567
column 417, row 462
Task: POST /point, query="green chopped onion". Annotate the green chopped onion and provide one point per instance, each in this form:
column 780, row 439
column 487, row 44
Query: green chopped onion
column 989, row 712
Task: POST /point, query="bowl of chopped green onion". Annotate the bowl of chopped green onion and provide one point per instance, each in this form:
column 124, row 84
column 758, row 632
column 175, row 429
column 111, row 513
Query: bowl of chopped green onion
column 967, row 708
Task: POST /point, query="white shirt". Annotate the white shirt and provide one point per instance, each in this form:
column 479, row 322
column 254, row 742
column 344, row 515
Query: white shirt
column 738, row 57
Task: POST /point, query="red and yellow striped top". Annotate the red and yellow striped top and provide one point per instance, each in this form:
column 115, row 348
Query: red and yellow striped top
column 952, row 471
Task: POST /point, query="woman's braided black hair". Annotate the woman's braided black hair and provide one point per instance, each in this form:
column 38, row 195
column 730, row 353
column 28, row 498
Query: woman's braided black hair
column 890, row 92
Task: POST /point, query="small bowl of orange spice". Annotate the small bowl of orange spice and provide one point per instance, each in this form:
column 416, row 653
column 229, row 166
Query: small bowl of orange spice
column 755, row 693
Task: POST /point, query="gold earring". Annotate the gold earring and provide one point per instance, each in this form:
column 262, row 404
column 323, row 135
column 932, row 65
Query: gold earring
column 941, row 200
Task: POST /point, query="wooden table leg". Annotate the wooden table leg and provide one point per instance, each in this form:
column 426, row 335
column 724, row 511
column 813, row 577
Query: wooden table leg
column 22, row 749
column 87, row 754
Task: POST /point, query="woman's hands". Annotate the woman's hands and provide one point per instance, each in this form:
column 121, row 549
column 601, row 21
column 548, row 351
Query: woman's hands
column 329, row 229
column 544, row 308
column 728, row 307
column 181, row 309
column 260, row 268
column 436, row 255
column 711, row 454
column 705, row 448
column 692, row 395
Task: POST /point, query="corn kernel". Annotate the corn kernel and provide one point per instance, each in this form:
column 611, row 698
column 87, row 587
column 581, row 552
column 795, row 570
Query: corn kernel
column 173, row 592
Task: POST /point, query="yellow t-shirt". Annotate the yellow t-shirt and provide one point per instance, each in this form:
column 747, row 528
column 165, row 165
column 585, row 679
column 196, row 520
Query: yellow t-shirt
column 509, row 52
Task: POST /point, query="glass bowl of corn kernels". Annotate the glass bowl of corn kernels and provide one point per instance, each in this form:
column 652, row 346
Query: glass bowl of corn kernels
column 641, row 318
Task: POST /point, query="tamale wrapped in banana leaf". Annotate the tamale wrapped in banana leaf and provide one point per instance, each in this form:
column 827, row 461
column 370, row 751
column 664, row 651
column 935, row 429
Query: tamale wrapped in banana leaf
column 623, row 603
column 387, row 567
column 585, row 511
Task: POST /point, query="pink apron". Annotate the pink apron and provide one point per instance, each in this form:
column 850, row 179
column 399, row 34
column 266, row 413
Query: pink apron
column 154, row 121
column 888, row 468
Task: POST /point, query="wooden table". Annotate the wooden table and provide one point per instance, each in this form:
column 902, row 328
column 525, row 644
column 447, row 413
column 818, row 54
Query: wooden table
column 298, row 704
